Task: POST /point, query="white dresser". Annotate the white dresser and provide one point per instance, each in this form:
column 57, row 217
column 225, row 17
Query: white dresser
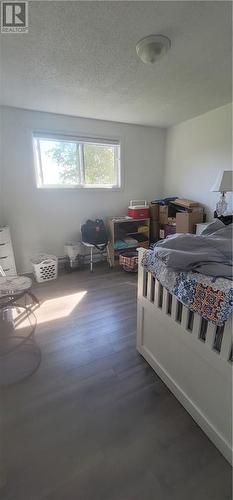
column 7, row 259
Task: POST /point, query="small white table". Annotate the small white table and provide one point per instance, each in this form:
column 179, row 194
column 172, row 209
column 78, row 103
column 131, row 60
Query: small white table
column 14, row 285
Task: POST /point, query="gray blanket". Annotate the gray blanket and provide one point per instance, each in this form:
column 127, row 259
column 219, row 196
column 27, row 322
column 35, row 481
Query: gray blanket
column 210, row 253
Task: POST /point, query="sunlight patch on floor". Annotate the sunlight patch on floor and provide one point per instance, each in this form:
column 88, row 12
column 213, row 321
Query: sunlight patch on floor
column 58, row 308
column 51, row 309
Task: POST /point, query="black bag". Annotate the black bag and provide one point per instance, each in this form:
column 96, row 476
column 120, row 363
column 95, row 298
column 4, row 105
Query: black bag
column 94, row 232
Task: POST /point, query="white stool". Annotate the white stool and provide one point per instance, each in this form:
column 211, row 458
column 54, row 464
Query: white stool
column 101, row 250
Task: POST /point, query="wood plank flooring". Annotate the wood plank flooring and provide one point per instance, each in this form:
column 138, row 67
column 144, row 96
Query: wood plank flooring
column 95, row 422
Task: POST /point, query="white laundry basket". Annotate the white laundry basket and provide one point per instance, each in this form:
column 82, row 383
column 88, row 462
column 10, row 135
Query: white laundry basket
column 45, row 268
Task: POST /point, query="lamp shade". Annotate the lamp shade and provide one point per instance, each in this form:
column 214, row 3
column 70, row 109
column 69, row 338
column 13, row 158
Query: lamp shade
column 223, row 182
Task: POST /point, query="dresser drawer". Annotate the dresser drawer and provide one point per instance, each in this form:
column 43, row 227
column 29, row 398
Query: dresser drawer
column 4, row 235
column 6, row 250
column 7, row 259
column 10, row 271
column 6, row 262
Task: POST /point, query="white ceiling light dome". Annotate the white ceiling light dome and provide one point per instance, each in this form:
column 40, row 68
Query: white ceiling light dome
column 152, row 47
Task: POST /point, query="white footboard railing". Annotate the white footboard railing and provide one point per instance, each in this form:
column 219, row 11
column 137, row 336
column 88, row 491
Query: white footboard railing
column 191, row 355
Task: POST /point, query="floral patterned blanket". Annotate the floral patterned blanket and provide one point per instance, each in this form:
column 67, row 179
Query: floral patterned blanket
column 212, row 298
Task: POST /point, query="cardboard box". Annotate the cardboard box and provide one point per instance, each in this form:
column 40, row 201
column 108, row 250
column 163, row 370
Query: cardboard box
column 182, row 208
column 163, row 214
column 167, row 211
column 154, row 230
column 185, row 221
column 183, row 202
column 171, row 221
column 154, row 211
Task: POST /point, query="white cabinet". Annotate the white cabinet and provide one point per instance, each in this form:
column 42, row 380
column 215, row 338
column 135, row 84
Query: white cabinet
column 7, row 259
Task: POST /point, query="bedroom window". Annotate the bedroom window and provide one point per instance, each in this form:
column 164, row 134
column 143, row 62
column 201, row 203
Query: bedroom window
column 73, row 162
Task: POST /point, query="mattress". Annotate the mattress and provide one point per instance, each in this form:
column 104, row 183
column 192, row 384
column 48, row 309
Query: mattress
column 210, row 297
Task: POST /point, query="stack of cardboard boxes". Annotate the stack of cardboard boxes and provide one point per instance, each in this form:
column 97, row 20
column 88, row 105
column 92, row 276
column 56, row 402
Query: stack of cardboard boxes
column 177, row 216
column 154, row 222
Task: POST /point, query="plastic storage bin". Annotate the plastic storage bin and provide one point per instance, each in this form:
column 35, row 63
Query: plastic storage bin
column 45, row 268
column 73, row 252
column 139, row 209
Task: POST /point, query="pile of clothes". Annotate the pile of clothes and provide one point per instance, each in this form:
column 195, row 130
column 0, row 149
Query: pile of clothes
column 197, row 269
column 130, row 238
column 209, row 253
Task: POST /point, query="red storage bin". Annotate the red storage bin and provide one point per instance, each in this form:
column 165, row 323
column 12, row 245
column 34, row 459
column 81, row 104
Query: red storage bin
column 139, row 209
column 129, row 261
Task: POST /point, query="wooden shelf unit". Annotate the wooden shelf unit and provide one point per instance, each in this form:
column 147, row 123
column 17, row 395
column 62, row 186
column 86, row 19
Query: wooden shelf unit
column 112, row 224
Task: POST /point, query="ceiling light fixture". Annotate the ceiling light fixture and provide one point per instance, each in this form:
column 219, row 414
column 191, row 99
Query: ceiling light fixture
column 152, row 47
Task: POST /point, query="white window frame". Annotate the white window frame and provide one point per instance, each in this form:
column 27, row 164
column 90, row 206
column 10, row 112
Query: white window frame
column 79, row 140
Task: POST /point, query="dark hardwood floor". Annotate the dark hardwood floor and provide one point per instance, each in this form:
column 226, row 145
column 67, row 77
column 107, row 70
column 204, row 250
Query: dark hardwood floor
column 95, row 422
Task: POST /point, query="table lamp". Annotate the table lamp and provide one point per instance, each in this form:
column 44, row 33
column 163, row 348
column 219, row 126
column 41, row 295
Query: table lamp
column 223, row 185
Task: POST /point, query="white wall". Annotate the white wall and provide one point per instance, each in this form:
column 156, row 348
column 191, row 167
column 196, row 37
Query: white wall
column 1, row 172
column 43, row 220
column 196, row 150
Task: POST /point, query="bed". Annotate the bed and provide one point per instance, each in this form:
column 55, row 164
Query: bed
column 184, row 332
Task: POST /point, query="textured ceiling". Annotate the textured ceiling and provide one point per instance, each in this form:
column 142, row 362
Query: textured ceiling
column 79, row 59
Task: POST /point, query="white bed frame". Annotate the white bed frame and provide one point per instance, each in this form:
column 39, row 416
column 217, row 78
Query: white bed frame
column 191, row 356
